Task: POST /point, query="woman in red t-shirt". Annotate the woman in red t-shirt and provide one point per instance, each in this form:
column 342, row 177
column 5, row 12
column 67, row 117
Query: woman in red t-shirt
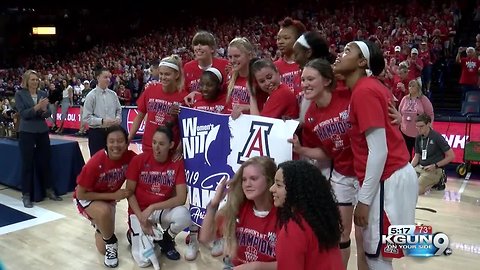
column 160, row 101
column 389, row 185
column 212, row 98
column 99, row 187
column 310, row 223
column 159, row 191
column 248, row 219
column 281, row 102
column 289, row 70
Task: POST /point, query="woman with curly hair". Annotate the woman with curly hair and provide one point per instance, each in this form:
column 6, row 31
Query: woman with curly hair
column 308, row 217
column 290, row 31
column 247, row 221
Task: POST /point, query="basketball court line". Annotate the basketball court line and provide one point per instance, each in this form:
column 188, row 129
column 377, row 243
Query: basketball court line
column 41, row 215
column 464, row 184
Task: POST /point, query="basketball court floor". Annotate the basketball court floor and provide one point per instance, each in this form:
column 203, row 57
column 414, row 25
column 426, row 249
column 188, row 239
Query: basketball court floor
column 59, row 238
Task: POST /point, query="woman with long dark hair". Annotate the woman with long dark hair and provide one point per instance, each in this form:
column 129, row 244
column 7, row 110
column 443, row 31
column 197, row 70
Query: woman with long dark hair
column 308, row 217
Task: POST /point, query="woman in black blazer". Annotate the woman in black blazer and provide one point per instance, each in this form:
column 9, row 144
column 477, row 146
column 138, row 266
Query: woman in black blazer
column 32, row 105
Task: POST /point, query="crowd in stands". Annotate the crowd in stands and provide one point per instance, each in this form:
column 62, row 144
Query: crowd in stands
column 413, row 33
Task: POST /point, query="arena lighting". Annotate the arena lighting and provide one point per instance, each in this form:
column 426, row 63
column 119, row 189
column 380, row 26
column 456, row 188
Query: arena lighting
column 50, row 30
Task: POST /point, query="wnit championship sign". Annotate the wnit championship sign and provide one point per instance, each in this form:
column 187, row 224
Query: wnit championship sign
column 215, row 145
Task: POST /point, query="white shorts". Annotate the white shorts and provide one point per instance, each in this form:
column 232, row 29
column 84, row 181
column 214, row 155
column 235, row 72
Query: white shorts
column 394, row 204
column 345, row 188
column 81, row 205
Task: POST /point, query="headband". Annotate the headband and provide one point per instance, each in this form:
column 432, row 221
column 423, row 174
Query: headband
column 302, row 41
column 216, row 72
column 365, row 51
column 168, row 64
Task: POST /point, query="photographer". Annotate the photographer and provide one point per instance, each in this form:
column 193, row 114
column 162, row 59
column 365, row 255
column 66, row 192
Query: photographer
column 432, row 153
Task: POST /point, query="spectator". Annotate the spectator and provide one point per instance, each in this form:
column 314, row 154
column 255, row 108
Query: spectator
column 411, row 106
column 124, row 95
column 32, row 105
column 67, row 101
column 470, row 70
column 432, row 153
column 85, row 91
column 54, row 97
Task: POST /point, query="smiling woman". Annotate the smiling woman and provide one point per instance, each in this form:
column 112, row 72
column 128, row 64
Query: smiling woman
column 310, row 223
column 99, row 188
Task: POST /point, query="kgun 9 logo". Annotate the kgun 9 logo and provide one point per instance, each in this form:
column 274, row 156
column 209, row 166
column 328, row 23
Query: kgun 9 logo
column 417, row 241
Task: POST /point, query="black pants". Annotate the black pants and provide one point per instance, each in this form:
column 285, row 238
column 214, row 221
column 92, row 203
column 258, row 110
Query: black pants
column 35, row 154
column 410, row 143
column 96, row 140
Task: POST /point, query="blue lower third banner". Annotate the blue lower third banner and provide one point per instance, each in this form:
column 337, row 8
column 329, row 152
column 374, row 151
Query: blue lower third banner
column 215, row 145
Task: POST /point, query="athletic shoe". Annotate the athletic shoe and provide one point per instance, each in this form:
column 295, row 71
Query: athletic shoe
column 167, row 244
column 192, row 250
column 111, row 255
column 441, row 183
column 217, row 247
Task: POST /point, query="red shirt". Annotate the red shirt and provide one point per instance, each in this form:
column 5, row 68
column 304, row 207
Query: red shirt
column 298, row 249
column 256, row 236
column 193, row 72
column 369, row 109
column 102, row 174
column 155, row 181
column 281, row 102
column 415, row 68
column 240, row 94
column 328, row 128
column 215, row 106
column 470, row 68
column 156, row 104
column 290, row 74
column 398, row 92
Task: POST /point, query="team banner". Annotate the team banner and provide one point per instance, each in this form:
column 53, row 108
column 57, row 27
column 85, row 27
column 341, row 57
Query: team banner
column 215, row 145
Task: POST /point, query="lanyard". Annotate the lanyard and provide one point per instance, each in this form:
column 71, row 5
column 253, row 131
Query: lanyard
column 426, row 146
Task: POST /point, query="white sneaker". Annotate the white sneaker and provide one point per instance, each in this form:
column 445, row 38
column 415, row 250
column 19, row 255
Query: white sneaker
column 217, row 247
column 192, row 250
column 111, row 255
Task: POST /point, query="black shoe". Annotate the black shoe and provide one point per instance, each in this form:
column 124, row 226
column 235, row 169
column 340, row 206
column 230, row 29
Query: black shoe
column 27, row 203
column 167, row 244
column 52, row 196
column 441, row 185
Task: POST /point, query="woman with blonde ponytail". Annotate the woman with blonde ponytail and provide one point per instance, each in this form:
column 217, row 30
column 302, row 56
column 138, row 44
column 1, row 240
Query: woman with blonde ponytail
column 248, row 218
column 160, row 100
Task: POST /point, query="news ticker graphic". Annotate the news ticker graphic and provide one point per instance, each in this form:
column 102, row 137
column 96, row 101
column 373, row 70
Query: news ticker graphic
column 417, row 240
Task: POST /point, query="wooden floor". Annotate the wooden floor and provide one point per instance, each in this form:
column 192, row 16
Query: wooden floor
column 68, row 242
